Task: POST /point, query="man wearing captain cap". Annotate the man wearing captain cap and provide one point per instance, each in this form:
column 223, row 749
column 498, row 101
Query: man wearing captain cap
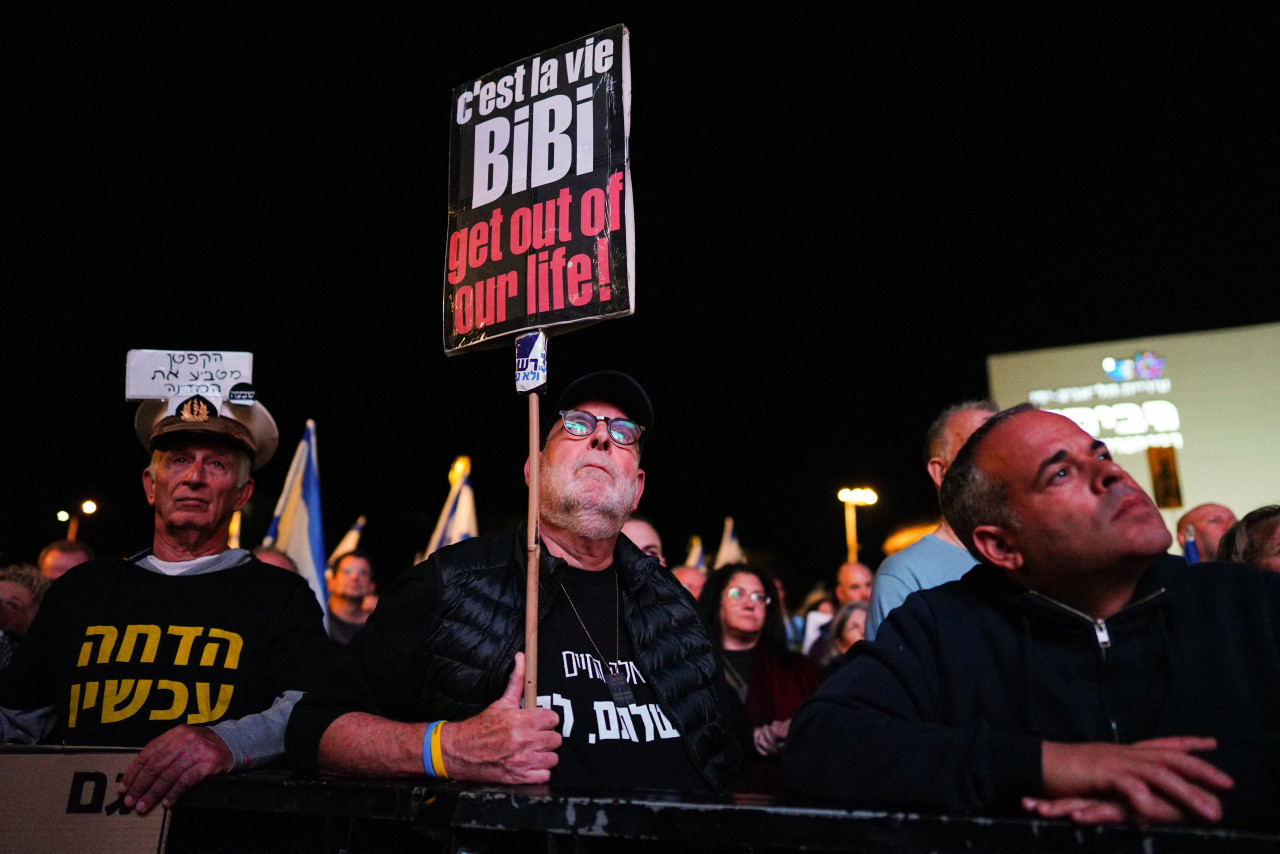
column 160, row 651
column 431, row 686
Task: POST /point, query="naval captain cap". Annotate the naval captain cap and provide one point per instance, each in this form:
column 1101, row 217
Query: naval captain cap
column 247, row 426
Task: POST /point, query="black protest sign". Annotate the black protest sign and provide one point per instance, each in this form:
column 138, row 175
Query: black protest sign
column 541, row 233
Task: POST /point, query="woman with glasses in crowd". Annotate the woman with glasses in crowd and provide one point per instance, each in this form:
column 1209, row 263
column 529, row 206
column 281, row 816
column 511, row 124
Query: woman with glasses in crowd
column 762, row 682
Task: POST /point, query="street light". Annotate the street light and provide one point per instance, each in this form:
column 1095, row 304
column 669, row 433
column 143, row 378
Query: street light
column 87, row 508
column 853, row 498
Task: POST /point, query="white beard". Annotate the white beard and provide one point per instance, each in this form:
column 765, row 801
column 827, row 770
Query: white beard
column 593, row 510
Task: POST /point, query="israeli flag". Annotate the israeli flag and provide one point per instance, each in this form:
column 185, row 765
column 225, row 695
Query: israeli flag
column 348, row 544
column 296, row 528
column 729, row 551
column 695, row 556
column 457, row 520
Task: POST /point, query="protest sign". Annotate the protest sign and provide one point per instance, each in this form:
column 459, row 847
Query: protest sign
column 541, row 232
column 65, row 799
column 161, row 374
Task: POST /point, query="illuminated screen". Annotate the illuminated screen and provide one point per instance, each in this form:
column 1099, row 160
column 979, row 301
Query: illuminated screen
column 1207, row 402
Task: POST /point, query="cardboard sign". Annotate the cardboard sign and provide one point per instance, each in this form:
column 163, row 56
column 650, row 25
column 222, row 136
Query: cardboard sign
column 161, row 374
column 66, row 800
column 541, row 232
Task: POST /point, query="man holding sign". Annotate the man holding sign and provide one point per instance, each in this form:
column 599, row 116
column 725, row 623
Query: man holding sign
column 160, row 651
column 432, row 685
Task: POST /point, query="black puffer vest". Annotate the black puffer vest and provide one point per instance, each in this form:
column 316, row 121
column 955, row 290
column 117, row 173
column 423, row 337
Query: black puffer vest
column 481, row 622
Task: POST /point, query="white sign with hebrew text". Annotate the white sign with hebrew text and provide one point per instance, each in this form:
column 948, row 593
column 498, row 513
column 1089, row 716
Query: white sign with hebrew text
column 161, row 374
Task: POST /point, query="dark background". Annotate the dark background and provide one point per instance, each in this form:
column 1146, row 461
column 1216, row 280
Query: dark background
column 838, row 219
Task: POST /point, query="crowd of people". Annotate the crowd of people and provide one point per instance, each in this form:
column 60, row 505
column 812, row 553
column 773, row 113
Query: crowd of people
column 1041, row 651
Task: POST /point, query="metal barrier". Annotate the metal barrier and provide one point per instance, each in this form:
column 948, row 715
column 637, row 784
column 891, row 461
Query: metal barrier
column 279, row 812
column 65, row 799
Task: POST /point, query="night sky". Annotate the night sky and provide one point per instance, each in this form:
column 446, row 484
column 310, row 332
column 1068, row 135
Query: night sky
column 837, row 221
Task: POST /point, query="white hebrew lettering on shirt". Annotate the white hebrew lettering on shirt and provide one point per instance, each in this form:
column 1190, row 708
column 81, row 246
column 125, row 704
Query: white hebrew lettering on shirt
column 617, row 723
column 581, row 663
column 566, row 711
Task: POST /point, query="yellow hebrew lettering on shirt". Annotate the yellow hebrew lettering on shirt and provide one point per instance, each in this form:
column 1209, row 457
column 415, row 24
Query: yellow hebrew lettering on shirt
column 207, row 715
column 179, row 701
column 90, row 700
column 108, row 634
column 234, row 644
column 188, row 635
column 75, row 707
column 149, row 646
column 116, row 691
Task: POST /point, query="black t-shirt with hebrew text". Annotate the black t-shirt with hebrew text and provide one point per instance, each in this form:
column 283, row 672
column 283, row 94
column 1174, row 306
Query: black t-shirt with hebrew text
column 606, row 742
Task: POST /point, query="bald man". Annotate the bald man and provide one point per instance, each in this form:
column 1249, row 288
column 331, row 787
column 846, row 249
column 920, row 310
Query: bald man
column 938, row 557
column 1203, row 527
column 854, row 584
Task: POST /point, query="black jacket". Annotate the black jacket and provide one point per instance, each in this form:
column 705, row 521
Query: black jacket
column 948, row 707
column 442, row 644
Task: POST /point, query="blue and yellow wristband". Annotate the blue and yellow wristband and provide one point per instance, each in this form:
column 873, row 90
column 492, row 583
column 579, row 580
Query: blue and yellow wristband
column 432, row 758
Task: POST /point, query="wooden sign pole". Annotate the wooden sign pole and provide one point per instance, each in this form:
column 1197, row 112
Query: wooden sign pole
column 533, row 562
column 531, row 375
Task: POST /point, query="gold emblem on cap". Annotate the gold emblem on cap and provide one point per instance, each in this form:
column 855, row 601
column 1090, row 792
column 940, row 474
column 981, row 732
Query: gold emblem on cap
column 194, row 410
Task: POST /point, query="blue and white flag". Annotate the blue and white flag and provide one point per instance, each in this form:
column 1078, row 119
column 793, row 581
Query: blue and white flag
column 458, row 518
column 296, row 528
column 729, row 551
column 695, row 556
column 349, row 542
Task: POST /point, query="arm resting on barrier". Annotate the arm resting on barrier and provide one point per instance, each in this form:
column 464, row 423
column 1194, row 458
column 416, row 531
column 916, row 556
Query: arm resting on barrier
column 502, row 744
column 172, row 763
column 258, row 739
column 178, row 759
column 1155, row 781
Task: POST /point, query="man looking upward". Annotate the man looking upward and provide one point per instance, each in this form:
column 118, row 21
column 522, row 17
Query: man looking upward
column 432, row 684
column 1077, row 672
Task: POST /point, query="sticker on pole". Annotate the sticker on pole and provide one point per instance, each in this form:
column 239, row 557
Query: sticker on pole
column 541, row 225
column 531, row 362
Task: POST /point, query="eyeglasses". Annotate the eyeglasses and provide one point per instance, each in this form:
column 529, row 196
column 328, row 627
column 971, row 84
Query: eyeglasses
column 580, row 425
column 737, row 593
